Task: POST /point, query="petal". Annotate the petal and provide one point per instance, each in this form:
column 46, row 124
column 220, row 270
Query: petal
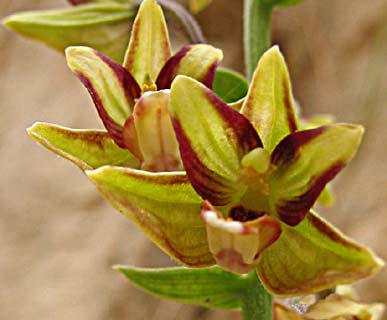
column 195, row 6
column 196, row 61
column 88, row 149
column 163, row 205
column 102, row 26
column 305, row 162
column 269, row 102
column 336, row 306
column 314, row 256
column 213, row 138
column 149, row 46
column 155, row 134
column 237, row 245
column 112, row 88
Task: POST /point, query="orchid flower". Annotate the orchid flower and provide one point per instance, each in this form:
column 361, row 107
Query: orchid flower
column 259, row 177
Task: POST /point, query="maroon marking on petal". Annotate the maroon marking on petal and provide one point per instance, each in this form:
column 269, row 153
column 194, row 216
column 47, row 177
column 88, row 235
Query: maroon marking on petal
column 244, row 132
column 114, row 129
column 290, row 116
column 207, row 183
column 292, row 212
column 209, row 77
column 77, row 2
column 168, row 72
column 127, row 81
column 330, row 233
column 289, row 148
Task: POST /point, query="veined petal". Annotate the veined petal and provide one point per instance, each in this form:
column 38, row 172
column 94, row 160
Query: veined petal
column 88, row 149
column 163, row 205
column 149, row 47
column 112, row 88
column 314, row 256
column 269, row 102
column 305, row 162
column 213, row 138
column 197, row 61
column 237, row 245
column 336, row 306
column 155, row 134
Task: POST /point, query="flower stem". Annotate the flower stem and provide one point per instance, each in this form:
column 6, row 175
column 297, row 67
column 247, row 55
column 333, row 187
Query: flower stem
column 257, row 17
column 256, row 302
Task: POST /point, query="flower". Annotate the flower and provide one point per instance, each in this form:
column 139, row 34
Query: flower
column 258, row 174
column 134, row 113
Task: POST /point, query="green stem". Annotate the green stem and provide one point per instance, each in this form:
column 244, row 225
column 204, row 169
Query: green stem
column 256, row 302
column 257, row 17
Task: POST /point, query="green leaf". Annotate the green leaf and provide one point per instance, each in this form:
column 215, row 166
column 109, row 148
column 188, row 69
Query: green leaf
column 269, row 103
column 229, row 85
column 281, row 3
column 163, row 205
column 209, row 287
column 103, row 27
column 213, row 138
column 305, row 162
column 149, row 47
column 87, row 149
column 314, row 256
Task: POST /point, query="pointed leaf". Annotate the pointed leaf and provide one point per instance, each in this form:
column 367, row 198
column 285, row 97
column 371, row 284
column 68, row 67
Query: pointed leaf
column 269, row 103
column 103, row 27
column 155, row 134
column 111, row 87
column 213, row 138
column 149, row 47
column 314, row 256
column 305, row 162
column 163, row 205
column 87, row 149
column 209, row 287
column 196, row 61
column 229, row 85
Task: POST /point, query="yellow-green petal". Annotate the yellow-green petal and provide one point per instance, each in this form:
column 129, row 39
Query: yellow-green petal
column 314, row 256
column 149, row 47
column 269, row 102
column 304, row 163
column 88, row 149
column 163, row 205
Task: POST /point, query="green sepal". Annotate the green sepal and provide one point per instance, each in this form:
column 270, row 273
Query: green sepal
column 229, row 85
column 208, row 287
column 163, row 205
column 103, row 27
column 314, row 256
column 269, row 104
column 88, row 149
column 149, row 46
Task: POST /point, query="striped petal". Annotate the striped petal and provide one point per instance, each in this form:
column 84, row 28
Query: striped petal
column 314, row 256
column 149, row 47
column 163, row 205
column 155, row 135
column 111, row 87
column 269, row 102
column 305, row 162
column 196, row 61
column 88, row 149
column 213, row 138
column 237, row 244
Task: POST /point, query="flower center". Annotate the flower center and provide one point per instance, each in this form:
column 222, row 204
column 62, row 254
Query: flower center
column 241, row 214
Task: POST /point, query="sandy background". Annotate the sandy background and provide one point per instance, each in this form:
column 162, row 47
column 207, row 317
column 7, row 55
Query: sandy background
column 58, row 238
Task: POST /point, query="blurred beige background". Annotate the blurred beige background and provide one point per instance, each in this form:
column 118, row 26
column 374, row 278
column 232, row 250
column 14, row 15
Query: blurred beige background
column 59, row 239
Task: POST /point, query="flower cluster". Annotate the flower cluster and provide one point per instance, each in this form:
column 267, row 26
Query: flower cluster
column 209, row 182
